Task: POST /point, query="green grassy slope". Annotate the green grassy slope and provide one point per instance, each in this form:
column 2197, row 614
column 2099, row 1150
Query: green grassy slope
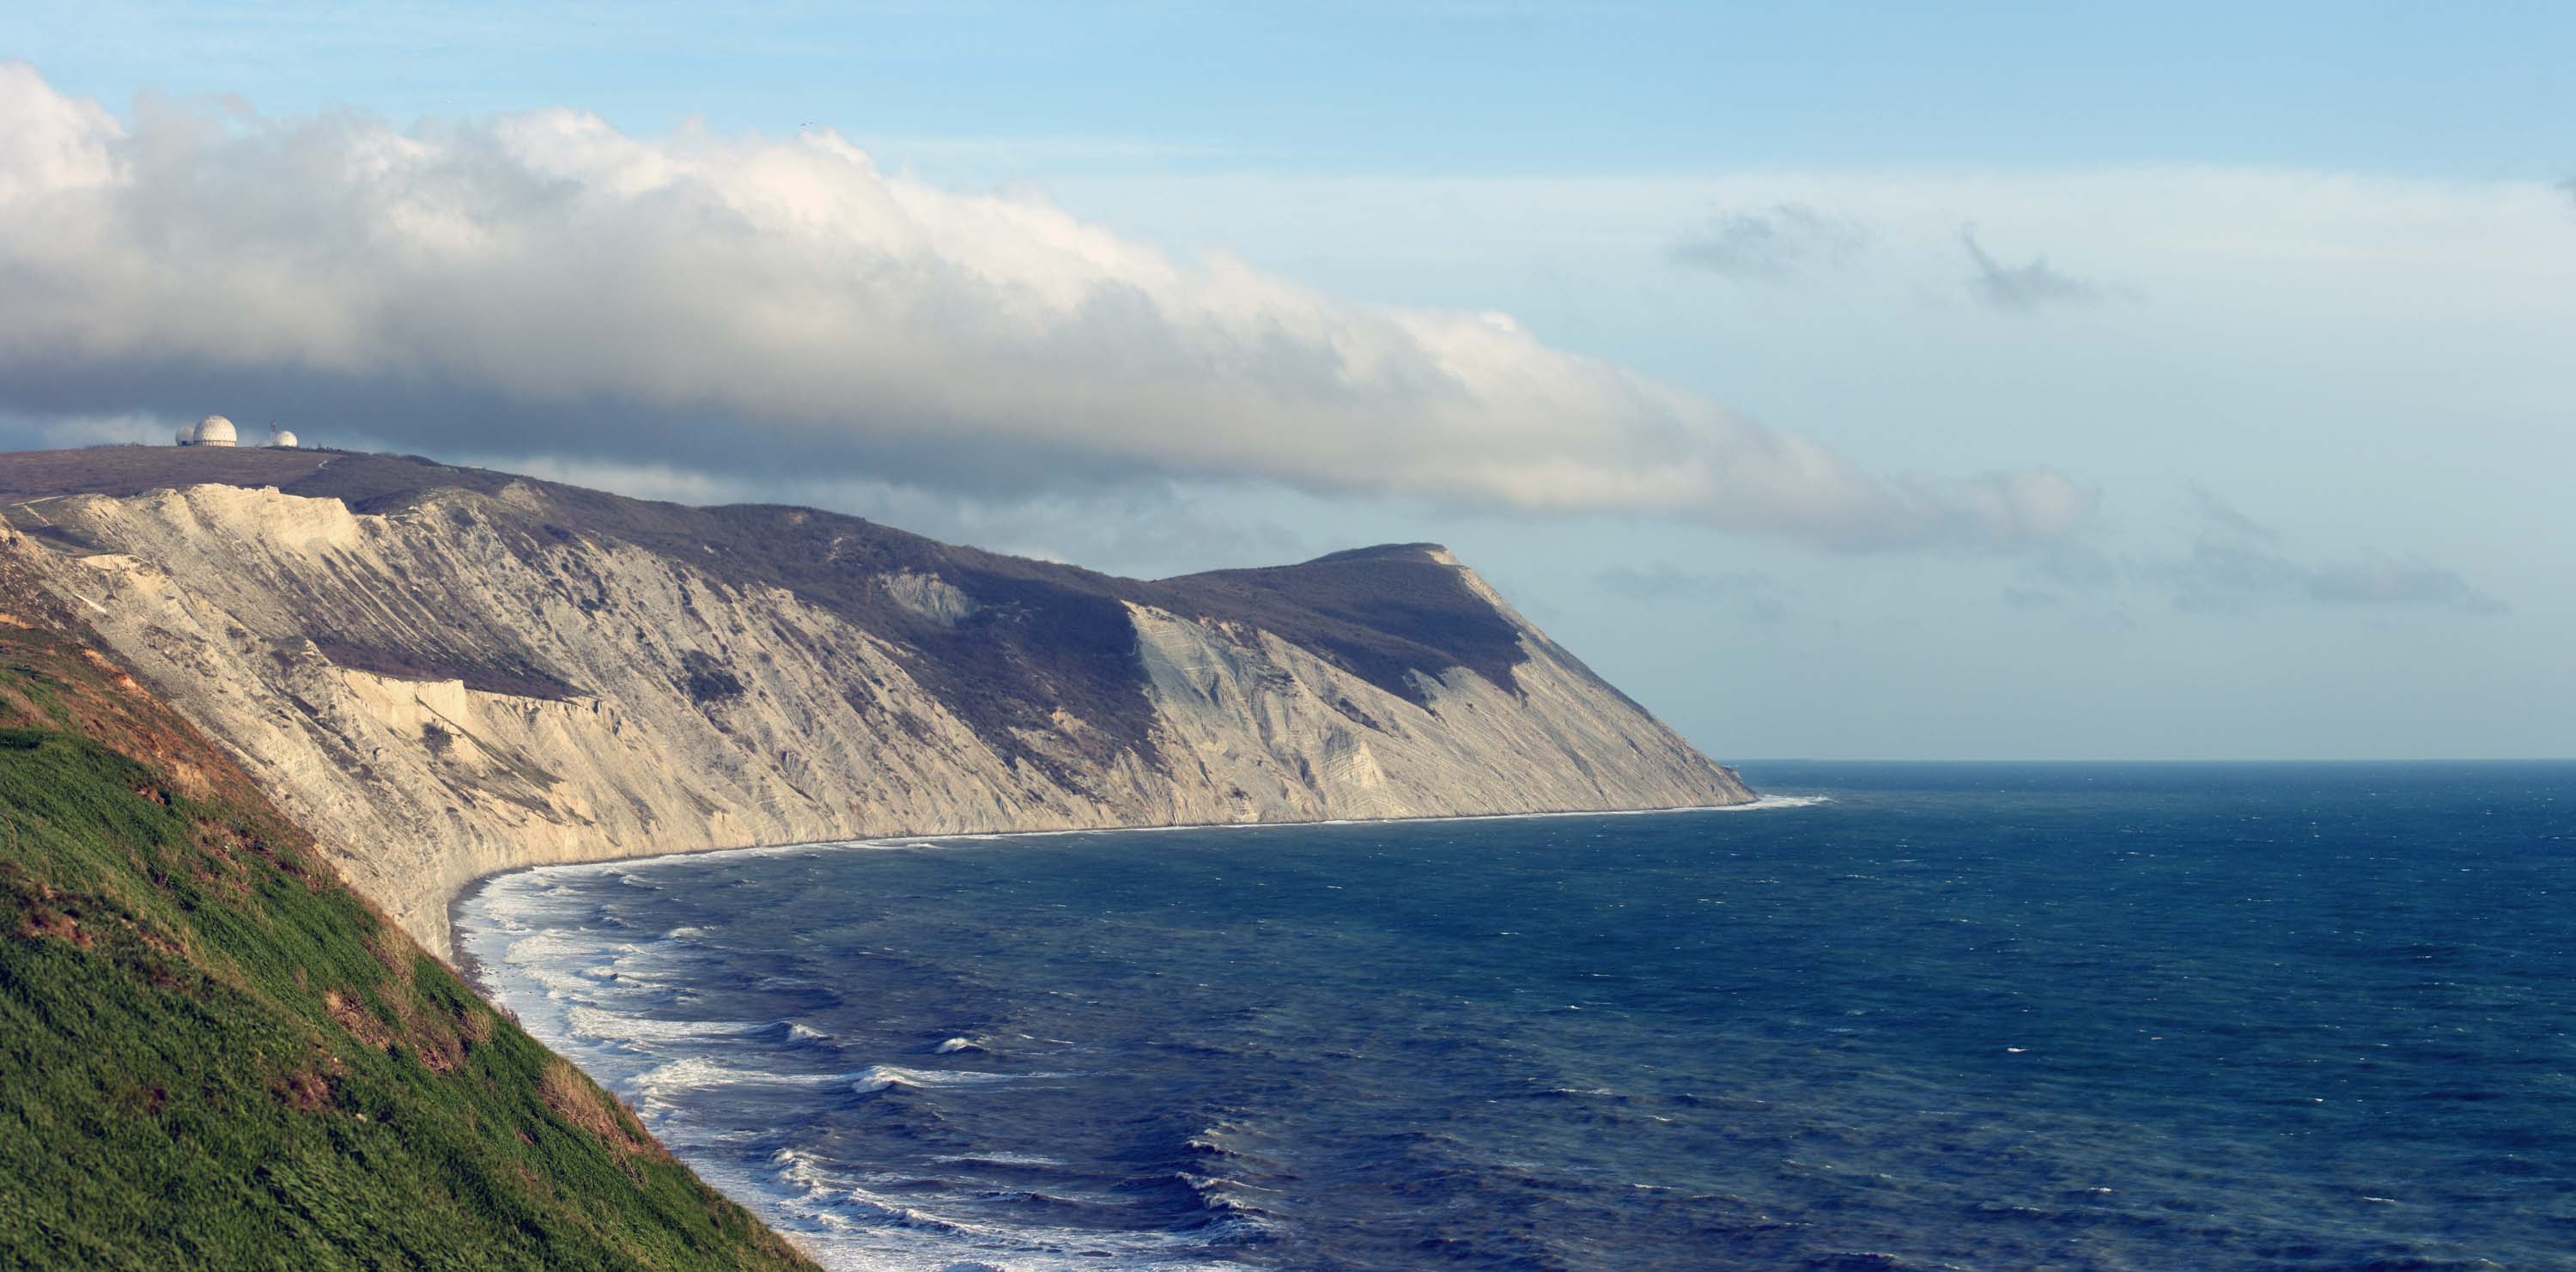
column 213, row 1054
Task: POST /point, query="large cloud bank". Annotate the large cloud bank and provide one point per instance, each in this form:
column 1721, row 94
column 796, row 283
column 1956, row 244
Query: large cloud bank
column 543, row 284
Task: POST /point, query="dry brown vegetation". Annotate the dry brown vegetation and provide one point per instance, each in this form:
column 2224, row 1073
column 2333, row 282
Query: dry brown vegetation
column 576, row 1099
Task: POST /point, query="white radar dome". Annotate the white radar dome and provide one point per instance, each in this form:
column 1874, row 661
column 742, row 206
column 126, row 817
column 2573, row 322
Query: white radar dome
column 215, row 430
column 285, row 438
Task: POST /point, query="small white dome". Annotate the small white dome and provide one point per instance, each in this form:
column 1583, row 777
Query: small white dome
column 187, row 435
column 285, row 438
column 215, row 430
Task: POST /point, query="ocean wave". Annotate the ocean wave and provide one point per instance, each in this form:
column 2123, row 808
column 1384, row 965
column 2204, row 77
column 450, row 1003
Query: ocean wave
column 609, row 1026
column 1234, row 1218
column 552, row 945
column 955, row 1045
column 568, row 963
column 1032, row 1199
column 852, row 1209
column 699, row 1073
column 1765, row 802
column 887, row 1077
column 851, row 1223
column 1002, row 1160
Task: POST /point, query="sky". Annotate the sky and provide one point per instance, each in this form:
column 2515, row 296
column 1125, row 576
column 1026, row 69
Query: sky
column 1843, row 381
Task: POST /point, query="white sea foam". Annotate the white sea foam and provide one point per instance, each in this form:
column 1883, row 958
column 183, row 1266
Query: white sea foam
column 798, row 1166
column 593, row 1022
column 834, row 1197
column 1240, row 1216
column 1766, row 802
column 885, row 1077
column 699, row 1072
column 845, row 1219
column 566, row 962
column 955, row 1045
column 998, row 1158
column 554, row 945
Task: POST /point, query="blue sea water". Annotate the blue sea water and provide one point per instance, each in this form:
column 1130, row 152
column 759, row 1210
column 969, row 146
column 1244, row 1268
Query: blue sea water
column 1979, row 1016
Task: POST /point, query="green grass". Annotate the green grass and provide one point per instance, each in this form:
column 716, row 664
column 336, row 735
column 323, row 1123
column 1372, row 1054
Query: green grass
column 213, row 1054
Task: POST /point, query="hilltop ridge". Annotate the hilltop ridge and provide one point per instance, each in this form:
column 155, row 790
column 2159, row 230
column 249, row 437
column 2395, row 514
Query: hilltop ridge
column 450, row 671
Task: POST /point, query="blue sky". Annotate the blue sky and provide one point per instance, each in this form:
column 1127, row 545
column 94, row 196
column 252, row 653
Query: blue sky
column 2475, row 91
column 2184, row 382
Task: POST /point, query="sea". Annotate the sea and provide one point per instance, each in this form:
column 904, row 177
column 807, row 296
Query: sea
column 1895, row 1016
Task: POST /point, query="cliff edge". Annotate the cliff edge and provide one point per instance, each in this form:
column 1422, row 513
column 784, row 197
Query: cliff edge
column 450, row 672
column 215, row 1055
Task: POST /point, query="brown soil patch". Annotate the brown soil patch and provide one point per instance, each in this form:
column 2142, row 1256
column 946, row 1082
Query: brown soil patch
column 304, row 1092
column 579, row 1101
column 439, row 1050
column 42, row 924
column 352, row 1014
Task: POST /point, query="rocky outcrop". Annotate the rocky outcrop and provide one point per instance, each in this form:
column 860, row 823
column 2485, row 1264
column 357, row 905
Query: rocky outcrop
column 449, row 673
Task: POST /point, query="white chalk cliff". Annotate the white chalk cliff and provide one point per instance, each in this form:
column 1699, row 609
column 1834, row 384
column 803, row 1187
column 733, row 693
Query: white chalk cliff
column 478, row 673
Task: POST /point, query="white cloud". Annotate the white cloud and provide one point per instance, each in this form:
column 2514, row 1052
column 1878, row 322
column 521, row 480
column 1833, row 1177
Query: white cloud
column 544, row 284
column 1147, row 531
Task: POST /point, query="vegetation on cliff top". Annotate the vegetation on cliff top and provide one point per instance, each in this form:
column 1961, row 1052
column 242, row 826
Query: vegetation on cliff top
column 214, row 1054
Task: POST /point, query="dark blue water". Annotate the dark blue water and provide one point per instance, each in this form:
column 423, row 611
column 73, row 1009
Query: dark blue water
column 1955, row 1016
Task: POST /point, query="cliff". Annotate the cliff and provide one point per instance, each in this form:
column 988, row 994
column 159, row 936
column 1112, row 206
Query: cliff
column 214, row 1054
column 450, row 672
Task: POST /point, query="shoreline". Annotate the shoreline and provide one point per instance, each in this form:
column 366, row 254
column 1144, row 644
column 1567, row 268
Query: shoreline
column 468, row 967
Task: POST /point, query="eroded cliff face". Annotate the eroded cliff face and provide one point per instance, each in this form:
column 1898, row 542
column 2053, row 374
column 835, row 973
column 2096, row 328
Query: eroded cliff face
column 468, row 674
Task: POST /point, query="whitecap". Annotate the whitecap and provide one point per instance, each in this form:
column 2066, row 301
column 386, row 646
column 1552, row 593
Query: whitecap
column 999, row 1158
column 592, row 1022
column 693, row 1072
column 884, row 1077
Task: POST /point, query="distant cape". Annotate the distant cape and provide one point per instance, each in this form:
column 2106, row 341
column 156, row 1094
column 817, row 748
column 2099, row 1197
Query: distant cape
column 448, row 672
